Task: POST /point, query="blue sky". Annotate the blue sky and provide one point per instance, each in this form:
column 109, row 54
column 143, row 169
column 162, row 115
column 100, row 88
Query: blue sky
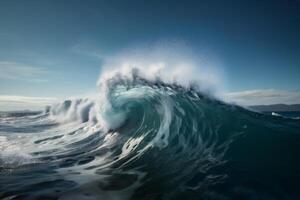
column 55, row 49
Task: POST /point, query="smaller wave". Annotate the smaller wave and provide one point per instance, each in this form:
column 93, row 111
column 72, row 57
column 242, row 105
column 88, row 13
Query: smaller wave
column 285, row 115
column 72, row 110
column 276, row 114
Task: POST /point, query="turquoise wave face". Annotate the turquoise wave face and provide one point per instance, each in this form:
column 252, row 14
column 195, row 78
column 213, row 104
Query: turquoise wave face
column 149, row 140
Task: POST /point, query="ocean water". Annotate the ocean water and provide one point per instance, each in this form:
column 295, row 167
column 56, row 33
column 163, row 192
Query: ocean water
column 148, row 140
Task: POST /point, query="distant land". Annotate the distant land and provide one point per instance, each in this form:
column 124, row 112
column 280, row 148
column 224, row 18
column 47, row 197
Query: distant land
column 276, row 107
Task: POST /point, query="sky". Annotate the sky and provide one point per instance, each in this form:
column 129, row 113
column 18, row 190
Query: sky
column 52, row 50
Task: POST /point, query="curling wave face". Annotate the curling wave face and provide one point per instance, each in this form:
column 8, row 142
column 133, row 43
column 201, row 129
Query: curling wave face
column 146, row 139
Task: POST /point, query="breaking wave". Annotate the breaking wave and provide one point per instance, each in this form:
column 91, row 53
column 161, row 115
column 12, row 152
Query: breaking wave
column 147, row 138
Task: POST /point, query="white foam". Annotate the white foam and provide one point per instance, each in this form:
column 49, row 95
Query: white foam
column 12, row 154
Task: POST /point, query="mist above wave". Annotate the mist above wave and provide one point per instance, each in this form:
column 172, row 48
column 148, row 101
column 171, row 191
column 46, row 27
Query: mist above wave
column 171, row 63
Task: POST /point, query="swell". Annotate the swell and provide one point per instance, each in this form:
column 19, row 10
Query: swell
column 144, row 139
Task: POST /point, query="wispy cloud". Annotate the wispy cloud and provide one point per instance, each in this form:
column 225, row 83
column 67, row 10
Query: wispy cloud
column 22, row 102
column 264, row 97
column 20, row 71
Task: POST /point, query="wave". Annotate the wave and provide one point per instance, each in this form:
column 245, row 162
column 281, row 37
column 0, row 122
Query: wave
column 145, row 138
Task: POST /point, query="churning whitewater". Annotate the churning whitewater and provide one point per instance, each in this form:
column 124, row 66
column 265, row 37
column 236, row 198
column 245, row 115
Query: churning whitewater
column 147, row 138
